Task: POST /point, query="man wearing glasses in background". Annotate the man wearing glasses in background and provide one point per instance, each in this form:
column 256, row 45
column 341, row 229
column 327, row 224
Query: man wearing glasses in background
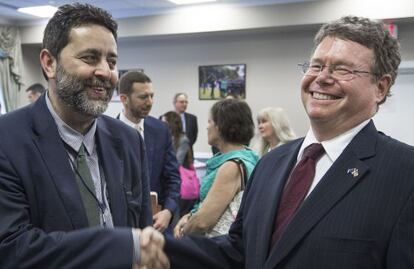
column 343, row 196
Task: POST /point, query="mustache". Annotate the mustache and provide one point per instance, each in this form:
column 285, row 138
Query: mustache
column 96, row 82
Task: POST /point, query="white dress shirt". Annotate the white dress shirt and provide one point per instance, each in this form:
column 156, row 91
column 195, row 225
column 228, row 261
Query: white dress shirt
column 137, row 126
column 333, row 149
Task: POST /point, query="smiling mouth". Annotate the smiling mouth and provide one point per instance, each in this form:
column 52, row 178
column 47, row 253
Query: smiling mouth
column 323, row 96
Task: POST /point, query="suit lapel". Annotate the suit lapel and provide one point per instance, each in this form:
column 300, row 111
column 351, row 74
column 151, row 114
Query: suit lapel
column 110, row 150
column 149, row 140
column 271, row 194
column 48, row 142
column 347, row 171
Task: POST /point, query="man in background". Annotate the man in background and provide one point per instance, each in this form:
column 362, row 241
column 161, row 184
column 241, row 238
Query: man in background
column 136, row 94
column 188, row 120
column 35, row 91
column 73, row 182
column 343, row 196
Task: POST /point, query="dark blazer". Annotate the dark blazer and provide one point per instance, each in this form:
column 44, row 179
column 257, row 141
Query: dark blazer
column 162, row 163
column 191, row 127
column 360, row 215
column 43, row 223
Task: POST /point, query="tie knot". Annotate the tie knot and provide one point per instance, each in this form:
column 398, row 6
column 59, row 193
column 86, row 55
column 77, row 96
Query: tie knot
column 82, row 151
column 314, row 151
column 138, row 127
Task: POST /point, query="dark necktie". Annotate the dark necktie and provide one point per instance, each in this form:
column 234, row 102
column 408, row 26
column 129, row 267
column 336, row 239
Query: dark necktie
column 296, row 189
column 88, row 198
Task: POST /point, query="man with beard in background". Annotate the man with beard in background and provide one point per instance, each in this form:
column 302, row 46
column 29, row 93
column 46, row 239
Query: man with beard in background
column 73, row 183
column 137, row 97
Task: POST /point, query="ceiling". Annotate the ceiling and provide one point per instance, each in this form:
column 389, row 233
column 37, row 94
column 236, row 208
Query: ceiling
column 118, row 8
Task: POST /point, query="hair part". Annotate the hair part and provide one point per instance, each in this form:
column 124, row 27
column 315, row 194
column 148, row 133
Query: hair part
column 128, row 79
column 371, row 34
column 234, row 121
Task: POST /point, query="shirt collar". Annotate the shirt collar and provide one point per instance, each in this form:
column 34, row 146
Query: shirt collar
column 69, row 135
column 134, row 125
column 333, row 147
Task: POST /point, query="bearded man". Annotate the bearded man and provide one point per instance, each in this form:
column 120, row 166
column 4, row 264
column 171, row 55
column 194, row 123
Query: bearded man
column 73, row 183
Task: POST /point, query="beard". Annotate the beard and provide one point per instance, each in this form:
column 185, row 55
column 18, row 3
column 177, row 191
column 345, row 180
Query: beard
column 72, row 91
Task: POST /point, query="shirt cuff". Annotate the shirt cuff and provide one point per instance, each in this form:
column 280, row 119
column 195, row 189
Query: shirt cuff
column 137, row 249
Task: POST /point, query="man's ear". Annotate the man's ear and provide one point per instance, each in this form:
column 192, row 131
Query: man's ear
column 124, row 98
column 383, row 87
column 48, row 63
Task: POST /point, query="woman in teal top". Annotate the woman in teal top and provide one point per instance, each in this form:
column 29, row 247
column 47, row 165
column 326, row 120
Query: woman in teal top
column 230, row 128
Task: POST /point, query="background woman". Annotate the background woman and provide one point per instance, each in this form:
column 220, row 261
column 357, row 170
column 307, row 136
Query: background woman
column 230, row 128
column 274, row 129
column 182, row 148
column 181, row 142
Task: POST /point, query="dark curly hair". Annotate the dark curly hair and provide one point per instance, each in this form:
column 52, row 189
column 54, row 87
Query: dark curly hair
column 57, row 31
column 234, row 121
column 371, row 34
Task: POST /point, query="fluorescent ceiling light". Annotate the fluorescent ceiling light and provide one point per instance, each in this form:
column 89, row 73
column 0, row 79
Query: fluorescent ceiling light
column 188, row 2
column 39, row 11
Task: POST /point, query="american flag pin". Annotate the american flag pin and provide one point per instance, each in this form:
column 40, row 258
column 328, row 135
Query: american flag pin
column 353, row 171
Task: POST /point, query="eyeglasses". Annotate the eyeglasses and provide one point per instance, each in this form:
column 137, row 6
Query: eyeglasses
column 337, row 72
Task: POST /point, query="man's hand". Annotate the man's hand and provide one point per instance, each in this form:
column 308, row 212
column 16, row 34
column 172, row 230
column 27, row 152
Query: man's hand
column 151, row 249
column 178, row 229
column 162, row 220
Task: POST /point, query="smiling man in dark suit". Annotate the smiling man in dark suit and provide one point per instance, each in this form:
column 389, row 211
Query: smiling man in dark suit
column 357, row 205
column 73, row 183
column 136, row 93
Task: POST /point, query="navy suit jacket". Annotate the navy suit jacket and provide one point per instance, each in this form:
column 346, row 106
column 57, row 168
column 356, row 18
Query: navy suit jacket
column 43, row 223
column 354, row 220
column 162, row 163
column 191, row 127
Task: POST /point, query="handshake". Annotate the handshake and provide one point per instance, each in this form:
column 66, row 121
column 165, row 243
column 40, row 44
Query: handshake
column 152, row 255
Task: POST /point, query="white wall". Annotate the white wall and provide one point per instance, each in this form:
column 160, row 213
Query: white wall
column 172, row 63
column 272, row 73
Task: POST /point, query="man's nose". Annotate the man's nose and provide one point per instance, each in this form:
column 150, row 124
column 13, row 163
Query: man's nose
column 103, row 70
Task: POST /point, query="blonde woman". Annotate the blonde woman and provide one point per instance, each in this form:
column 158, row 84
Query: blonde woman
column 274, row 129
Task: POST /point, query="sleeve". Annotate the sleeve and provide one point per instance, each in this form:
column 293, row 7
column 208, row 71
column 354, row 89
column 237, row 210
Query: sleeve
column 400, row 252
column 171, row 175
column 183, row 148
column 195, row 130
column 222, row 252
column 24, row 245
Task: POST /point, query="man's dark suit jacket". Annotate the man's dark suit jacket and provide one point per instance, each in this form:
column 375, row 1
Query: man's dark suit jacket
column 191, row 127
column 162, row 163
column 360, row 215
column 42, row 220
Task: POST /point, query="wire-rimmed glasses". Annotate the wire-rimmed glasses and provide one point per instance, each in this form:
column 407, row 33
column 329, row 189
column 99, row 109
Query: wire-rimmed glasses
column 337, row 72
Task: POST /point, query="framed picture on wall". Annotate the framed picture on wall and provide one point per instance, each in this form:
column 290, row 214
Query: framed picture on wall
column 219, row 81
column 115, row 96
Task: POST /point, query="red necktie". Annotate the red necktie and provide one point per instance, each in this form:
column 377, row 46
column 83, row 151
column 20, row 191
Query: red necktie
column 296, row 189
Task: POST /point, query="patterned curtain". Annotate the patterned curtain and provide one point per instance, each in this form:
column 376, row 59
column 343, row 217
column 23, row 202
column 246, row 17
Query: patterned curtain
column 10, row 65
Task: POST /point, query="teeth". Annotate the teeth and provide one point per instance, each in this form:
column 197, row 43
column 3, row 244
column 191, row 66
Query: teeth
column 322, row 96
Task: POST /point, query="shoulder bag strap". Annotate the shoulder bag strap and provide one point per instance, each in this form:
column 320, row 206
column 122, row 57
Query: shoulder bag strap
column 243, row 172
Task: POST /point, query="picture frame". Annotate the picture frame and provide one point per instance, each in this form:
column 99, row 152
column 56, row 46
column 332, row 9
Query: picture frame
column 221, row 81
